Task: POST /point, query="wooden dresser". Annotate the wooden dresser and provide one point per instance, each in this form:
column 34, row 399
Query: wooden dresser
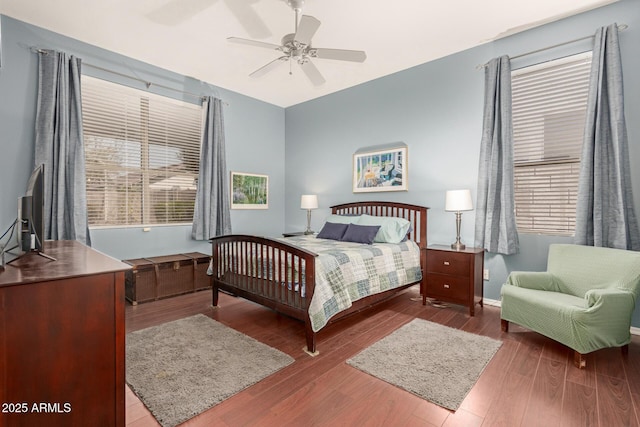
column 455, row 276
column 62, row 339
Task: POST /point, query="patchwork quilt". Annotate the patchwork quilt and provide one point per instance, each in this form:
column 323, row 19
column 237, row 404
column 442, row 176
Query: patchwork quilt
column 347, row 272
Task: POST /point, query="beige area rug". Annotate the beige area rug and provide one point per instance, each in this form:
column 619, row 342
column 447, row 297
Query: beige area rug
column 438, row 363
column 182, row 368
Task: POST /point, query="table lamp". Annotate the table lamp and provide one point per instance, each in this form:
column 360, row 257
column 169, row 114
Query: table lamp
column 309, row 202
column 458, row 201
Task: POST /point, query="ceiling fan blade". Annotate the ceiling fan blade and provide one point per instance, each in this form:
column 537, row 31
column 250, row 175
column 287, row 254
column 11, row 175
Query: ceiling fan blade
column 248, row 18
column 306, row 29
column 253, row 43
column 340, row 54
column 176, row 12
column 270, row 66
column 312, row 73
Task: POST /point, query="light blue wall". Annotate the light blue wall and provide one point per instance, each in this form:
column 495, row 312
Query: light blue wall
column 436, row 109
column 257, row 148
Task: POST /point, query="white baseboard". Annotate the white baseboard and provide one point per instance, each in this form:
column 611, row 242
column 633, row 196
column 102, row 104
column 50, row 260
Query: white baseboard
column 492, row 302
column 498, row 303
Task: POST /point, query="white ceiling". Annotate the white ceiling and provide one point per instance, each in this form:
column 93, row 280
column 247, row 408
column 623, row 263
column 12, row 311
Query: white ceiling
column 189, row 36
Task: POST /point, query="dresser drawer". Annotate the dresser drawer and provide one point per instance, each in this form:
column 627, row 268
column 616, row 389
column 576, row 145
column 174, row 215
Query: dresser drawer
column 448, row 262
column 448, row 287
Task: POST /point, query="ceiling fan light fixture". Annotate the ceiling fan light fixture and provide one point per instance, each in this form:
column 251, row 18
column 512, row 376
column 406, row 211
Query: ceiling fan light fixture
column 296, row 5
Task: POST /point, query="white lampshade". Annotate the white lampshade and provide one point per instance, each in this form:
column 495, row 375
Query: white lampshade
column 458, row 200
column 309, row 201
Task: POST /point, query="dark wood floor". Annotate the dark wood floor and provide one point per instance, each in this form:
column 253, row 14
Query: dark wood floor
column 530, row 381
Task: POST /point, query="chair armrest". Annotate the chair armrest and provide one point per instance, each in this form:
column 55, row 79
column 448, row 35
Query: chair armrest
column 607, row 316
column 539, row 280
column 612, row 297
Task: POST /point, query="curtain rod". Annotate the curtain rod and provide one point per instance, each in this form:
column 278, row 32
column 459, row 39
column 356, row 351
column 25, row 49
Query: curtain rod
column 147, row 83
column 621, row 27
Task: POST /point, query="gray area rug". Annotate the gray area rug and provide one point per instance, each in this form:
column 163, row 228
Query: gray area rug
column 438, row 363
column 179, row 369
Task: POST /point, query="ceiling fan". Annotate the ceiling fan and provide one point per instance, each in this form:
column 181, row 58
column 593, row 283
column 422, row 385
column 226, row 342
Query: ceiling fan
column 297, row 47
column 178, row 12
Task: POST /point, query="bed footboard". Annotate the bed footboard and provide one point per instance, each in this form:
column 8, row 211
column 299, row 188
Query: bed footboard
column 268, row 272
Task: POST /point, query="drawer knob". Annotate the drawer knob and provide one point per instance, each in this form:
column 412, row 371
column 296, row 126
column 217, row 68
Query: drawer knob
column 446, row 286
column 446, row 263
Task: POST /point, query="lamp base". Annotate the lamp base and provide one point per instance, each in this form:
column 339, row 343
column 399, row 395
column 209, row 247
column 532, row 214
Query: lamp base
column 309, row 232
column 458, row 246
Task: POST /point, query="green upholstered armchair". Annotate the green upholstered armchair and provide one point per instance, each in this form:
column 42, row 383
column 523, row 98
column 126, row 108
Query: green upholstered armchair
column 584, row 300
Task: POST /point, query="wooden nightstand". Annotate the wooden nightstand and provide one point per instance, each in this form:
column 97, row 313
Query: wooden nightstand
column 293, row 233
column 455, row 276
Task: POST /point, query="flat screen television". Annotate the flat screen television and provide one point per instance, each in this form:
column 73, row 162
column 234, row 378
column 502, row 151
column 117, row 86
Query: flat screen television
column 31, row 213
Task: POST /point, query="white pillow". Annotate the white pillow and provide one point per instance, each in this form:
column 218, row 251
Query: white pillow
column 343, row 219
column 392, row 229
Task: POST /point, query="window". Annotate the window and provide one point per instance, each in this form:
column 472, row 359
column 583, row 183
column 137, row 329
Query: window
column 549, row 109
column 142, row 155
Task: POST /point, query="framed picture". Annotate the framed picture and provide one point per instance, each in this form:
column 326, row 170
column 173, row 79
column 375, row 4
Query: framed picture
column 382, row 170
column 249, row 191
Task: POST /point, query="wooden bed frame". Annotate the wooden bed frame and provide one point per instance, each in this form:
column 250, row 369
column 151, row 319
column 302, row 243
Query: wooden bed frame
column 237, row 272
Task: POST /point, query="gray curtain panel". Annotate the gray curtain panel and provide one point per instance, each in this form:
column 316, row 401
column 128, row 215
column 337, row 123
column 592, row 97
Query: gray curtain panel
column 59, row 145
column 212, row 215
column 495, row 228
column 604, row 211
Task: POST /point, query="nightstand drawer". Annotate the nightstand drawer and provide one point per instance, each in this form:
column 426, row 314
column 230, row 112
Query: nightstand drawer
column 448, row 287
column 448, row 262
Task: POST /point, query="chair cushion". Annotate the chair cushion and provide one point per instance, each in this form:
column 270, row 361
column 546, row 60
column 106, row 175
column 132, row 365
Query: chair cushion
column 548, row 313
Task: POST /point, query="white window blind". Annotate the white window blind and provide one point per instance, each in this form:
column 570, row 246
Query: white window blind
column 142, row 155
column 549, row 109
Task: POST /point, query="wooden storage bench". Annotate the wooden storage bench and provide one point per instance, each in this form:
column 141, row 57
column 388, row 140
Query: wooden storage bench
column 159, row 277
column 200, row 264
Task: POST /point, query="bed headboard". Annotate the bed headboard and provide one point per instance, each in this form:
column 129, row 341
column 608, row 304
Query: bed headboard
column 416, row 215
